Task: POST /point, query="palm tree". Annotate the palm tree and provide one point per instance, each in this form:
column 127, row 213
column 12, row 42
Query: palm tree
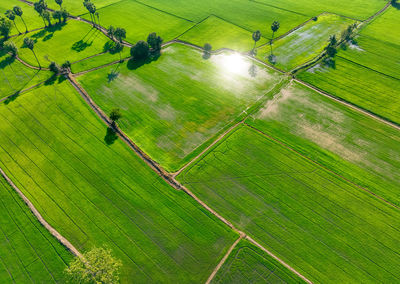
column 115, row 115
column 120, row 34
column 40, row 7
column 59, row 3
column 119, row 47
column 11, row 48
column 256, row 37
column 111, row 32
column 11, row 16
column 18, row 11
column 332, row 40
column 30, row 43
column 274, row 27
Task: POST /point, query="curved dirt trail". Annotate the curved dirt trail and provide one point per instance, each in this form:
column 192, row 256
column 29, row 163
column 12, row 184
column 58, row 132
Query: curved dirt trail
column 42, row 221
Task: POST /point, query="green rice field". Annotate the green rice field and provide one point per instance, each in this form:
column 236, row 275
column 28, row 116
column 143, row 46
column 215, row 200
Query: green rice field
column 27, row 250
column 175, row 104
column 327, row 228
column 97, row 192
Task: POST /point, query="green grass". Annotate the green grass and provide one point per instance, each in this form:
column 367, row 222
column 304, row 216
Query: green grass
column 249, row 264
column 99, row 60
column 358, row 9
column 359, row 85
column 215, row 30
column 28, row 253
column 140, row 20
column 30, row 16
column 327, row 229
column 54, row 148
column 248, row 15
column 76, row 8
column 352, row 144
column 73, row 41
column 305, row 43
column 14, row 76
column 175, row 104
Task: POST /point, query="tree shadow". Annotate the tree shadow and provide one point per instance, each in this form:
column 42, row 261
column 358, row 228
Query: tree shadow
column 396, row 5
column 133, row 64
column 12, row 98
column 6, row 61
column 206, row 55
column 47, row 37
column 111, row 136
column 81, row 45
column 51, row 80
column 109, row 46
column 253, row 70
column 112, row 75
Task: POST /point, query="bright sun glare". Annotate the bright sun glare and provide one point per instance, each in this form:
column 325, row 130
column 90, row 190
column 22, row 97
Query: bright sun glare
column 235, row 63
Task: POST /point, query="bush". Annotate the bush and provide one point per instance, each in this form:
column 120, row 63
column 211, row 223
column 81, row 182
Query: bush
column 207, row 47
column 54, row 68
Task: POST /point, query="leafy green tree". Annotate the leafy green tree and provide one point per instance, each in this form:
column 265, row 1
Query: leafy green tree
column 256, row 37
column 18, row 11
column 11, row 16
column 66, row 65
column 119, row 47
column 5, row 27
column 40, row 7
column 274, row 27
column 140, row 50
column 115, row 115
column 54, row 68
column 207, row 48
column 57, row 15
column 331, row 51
column 10, row 47
column 332, row 40
column 30, row 43
column 120, row 34
column 59, row 3
column 96, row 266
column 91, row 9
column 155, row 42
column 64, row 15
column 46, row 15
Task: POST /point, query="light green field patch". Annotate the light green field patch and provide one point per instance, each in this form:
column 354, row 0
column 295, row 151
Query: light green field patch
column 358, row 9
column 28, row 253
column 30, row 16
column 305, row 43
column 72, row 41
column 356, row 146
column 139, row 20
column 175, row 104
column 324, row 227
column 14, row 76
column 249, row 264
column 220, row 34
column 76, row 8
column 97, row 192
column 248, row 15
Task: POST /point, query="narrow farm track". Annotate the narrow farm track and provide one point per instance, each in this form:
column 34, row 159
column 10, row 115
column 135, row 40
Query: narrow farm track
column 223, row 260
column 21, row 91
column 322, row 166
column 42, row 221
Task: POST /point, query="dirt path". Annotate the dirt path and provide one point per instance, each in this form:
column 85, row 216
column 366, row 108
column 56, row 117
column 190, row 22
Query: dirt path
column 35, row 212
column 21, row 91
column 212, row 275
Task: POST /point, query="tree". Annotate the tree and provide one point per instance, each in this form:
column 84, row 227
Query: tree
column 96, row 266
column 111, row 32
column 332, row 40
column 30, row 43
column 66, row 65
column 274, row 27
column 119, row 47
column 120, row 34
column 18, row 11
column 46, row 16
column 40, row 7
column 58, row 16
column 59, row 3
column 64, row 15
column 207, row 48
column 115, row 115
column 5, row 27
column 154, row 42
column 92, row 10
column 10, row 47
column 331, row 51
column 140, row 50
column 256, row 38
column 11, row 16
column 54, row 68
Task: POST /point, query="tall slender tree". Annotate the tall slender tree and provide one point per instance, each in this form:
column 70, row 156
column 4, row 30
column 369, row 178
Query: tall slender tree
column 5, row 27
column 18, row 11
column 120, row 34
column 47, row 16
column 59, row 3
column 30, row 43
column 274, row 27
column 11, row 16
column 11, row 48
column 40, row 7
column 256, row 38
column 111, row 32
